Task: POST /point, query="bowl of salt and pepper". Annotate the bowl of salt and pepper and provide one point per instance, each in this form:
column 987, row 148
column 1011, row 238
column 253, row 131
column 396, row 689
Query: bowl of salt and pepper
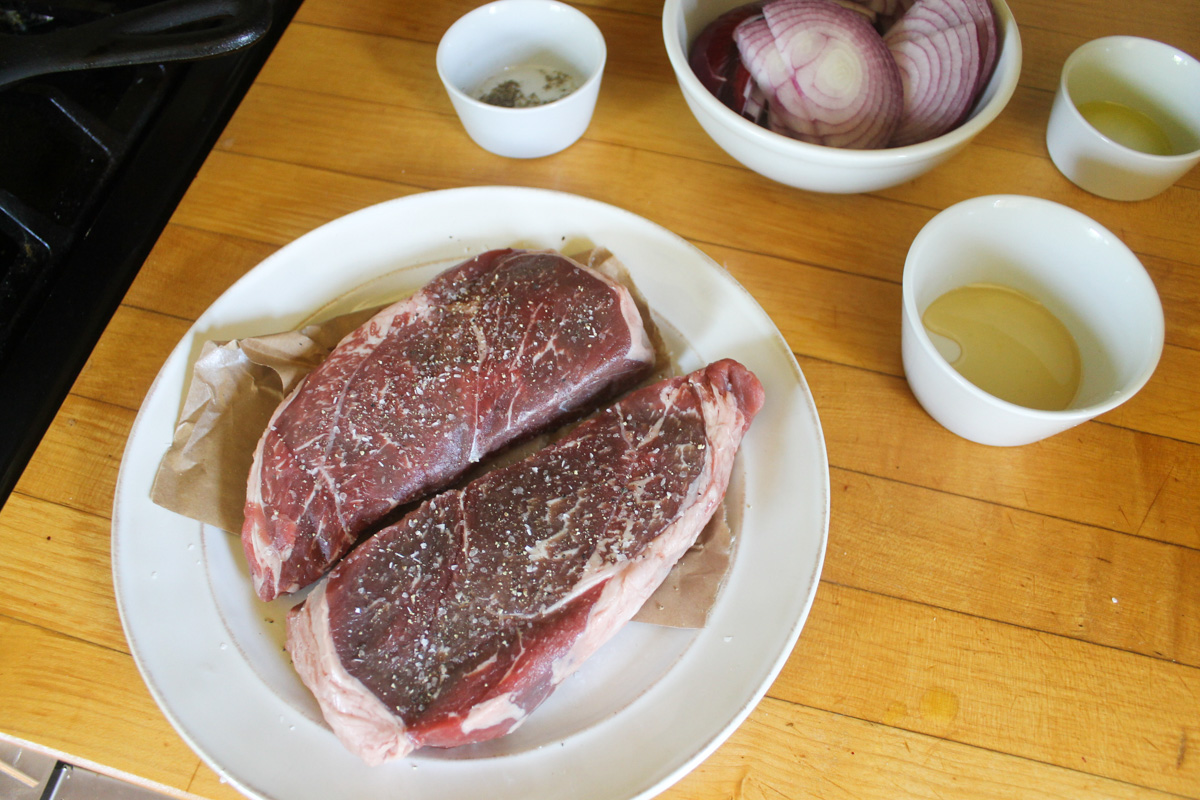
column 523, row 75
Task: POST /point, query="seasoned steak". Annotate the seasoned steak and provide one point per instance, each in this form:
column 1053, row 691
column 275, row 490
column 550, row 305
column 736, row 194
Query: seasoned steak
column 497, row 348
column 451, row 626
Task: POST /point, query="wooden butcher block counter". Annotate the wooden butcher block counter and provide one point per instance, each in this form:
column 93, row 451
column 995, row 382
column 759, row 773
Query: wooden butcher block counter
column 990, row 622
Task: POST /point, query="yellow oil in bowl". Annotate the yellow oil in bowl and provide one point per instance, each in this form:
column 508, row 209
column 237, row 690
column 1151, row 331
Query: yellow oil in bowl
column 1007, row 344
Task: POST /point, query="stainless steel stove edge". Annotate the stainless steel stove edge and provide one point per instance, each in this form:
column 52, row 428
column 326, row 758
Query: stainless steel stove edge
column 31, row 773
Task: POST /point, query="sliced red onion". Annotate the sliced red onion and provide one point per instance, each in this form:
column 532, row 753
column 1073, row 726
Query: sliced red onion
column 938, row 71
column 714, row 55
column 941, row 47
column 761, row 57
column 819, row 71
column 747, row 99
column 827, row 76
column 984, row 15
column 931, row 15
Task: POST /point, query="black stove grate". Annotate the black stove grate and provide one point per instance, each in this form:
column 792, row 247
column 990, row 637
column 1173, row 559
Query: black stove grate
column 92, row 165
column 63, row 138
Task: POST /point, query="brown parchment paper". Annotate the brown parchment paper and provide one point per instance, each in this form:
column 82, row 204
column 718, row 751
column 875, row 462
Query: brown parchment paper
column 236, row 385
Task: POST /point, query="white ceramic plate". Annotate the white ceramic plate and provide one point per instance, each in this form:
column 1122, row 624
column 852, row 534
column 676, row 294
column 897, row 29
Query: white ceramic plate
column 650, row 706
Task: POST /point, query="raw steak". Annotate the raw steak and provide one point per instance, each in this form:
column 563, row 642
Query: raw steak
column 492, row 350
column 451, row 626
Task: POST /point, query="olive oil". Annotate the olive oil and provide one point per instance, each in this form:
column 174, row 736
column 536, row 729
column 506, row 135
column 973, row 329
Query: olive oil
column 1007, row 344
column 1127, row 126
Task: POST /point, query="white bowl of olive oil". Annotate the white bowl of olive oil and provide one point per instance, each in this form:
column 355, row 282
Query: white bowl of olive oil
column 1125, row 123
column 523, row 75
column 1023, row 318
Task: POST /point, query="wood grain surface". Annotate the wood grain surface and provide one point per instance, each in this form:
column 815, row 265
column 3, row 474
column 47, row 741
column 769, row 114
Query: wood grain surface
column 990, row 623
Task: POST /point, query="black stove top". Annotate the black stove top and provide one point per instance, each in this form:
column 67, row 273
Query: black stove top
column 92, row 165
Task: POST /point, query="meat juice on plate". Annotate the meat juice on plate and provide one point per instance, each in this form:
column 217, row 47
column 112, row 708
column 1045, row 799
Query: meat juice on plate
column 1007, row 344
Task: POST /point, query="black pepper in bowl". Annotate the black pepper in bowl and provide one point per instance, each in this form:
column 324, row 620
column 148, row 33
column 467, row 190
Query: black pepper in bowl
column 510, row 92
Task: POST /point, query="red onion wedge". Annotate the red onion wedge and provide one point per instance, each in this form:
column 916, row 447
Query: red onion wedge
column 826, row 73
column 984, row 14
column 940, row 47
column 938, row 71
column 931, row 15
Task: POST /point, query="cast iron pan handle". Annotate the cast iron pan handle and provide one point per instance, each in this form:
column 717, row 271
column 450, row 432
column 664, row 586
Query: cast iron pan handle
column 173, row 30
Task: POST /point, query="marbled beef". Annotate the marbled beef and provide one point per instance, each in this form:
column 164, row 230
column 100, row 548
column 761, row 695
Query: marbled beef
column 451, row 626
column 490, row 351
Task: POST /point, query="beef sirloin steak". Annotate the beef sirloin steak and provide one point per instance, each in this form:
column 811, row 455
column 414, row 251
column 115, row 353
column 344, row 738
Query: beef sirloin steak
column 497, row 348
column 452, row 625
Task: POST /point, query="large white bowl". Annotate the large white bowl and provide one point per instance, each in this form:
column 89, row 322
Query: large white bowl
column 816, row 167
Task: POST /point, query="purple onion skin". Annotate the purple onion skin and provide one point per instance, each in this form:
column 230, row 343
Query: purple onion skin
column 715, row 59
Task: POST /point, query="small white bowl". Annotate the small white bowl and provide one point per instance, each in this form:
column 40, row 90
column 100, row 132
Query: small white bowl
column 1148, row 76
column 815, row 167
column 512, row 33
column 1078, row 270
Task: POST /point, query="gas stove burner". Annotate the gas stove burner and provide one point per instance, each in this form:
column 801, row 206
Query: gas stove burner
column 95, row 161
column 14, row 21
column 63, row 138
